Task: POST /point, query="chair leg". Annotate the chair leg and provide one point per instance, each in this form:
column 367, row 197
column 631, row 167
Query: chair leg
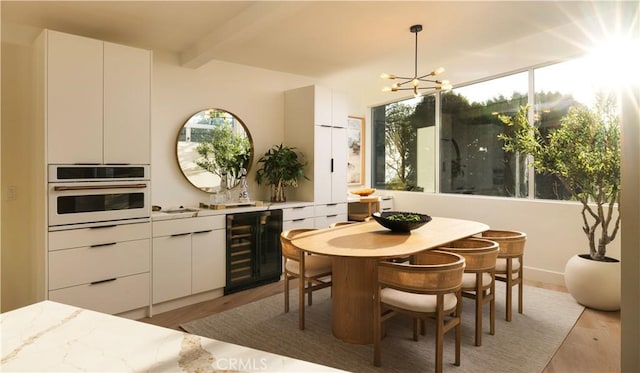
column 301, row 294
column 479, row 304
column 309, row 284
column 416, row 327
column 439, row 335
column 286, row 293
column 458, row 327
column 509, row 287
column 520, row 287
column 492, row 310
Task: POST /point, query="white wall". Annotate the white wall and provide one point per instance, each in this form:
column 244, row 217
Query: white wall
column 256, row 96
column 553, row 229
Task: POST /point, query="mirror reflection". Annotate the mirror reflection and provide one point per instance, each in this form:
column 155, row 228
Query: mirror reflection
column 213, row 148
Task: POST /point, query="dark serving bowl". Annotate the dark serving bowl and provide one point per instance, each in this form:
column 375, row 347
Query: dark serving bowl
column 400, row 225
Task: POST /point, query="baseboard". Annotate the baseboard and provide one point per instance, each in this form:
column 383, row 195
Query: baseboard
column 186, row 301
column 544, row 276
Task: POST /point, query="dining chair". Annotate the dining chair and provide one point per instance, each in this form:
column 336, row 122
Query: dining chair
column 510, row 263
column 478, row 281
column 312, row 271
column 429, row 290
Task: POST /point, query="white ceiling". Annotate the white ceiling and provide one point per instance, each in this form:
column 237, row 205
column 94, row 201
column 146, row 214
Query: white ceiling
column 318, row 39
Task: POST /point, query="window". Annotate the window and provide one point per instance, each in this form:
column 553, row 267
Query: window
column 471, row 157
column 557, row 88
column 404, row 145
column 460, row 152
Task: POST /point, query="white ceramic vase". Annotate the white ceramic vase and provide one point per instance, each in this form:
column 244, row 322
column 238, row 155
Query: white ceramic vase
column 594, row 284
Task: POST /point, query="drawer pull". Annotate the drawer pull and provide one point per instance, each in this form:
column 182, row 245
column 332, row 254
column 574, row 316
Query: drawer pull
column 332, row 216
column 103, row 244
column 103, row 281
column 302, row 219
column 210, row 230
column 103, row 226
column 179, row 234
column 299, row 207
column 332, row 204
column 386, row 208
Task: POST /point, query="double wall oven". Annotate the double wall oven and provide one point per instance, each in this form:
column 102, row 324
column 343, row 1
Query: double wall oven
column 86, row 195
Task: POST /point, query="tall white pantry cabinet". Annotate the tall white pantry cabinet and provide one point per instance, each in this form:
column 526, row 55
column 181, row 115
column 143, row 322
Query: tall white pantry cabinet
column 92, row 106
column 315, row 123
column 95, row 112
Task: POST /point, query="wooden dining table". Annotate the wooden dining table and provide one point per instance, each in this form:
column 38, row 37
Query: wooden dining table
column 356, row 249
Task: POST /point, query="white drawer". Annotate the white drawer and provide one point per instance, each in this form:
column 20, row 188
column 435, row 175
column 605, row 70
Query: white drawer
column 386, row 204
column 123, row 294
column 295, row 213
column 89, row 264
column 188, row 225
column 298, row 224
column 326, row 221
column 331, row 209
column 99, row 235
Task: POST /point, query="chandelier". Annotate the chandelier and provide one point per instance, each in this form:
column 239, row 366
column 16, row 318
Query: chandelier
column 416, row 81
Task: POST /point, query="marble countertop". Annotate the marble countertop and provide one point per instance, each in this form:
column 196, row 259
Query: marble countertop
column 50, row 336
column 161, row 215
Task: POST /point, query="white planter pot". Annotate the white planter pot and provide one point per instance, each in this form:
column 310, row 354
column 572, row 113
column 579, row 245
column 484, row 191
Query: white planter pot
column 592, row 283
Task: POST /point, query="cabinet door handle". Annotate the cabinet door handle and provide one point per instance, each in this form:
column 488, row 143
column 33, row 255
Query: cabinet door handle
column 103, row 244
column 103, row 226
column 210, row 230
column 103, row 281
column 179, row 234
column 331, row 164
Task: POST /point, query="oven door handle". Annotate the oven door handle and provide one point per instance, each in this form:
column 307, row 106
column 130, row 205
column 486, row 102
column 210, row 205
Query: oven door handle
column 94, row 187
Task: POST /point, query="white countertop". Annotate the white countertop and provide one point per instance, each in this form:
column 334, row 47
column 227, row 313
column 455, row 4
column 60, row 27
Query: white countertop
column 49, row 336
column 160, row 215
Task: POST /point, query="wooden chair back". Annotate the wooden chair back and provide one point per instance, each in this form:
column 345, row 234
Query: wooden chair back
column 511, row 242
column 289, row 251
column 441, row 273
column 479, row 254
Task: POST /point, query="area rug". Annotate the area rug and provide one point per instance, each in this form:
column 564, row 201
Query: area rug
column 526, row 344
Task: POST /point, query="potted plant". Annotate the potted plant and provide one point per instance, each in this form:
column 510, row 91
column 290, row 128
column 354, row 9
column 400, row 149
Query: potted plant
column 281, row 166
column 584, row 154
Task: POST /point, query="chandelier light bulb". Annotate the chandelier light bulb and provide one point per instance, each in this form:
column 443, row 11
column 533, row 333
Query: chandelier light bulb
column 416, row 80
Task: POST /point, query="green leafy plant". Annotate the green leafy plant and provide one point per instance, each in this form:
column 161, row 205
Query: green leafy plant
column 281, row 166
column 224, row 151
column 584, row 154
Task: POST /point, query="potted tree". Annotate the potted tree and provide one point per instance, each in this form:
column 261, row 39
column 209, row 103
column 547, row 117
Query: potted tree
column 584, row 154
column 280, row 166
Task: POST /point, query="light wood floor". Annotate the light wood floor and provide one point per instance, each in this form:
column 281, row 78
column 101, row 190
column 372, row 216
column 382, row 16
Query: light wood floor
column 593, row 345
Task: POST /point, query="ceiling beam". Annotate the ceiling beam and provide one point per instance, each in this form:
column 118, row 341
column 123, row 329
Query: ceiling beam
column 248, row 24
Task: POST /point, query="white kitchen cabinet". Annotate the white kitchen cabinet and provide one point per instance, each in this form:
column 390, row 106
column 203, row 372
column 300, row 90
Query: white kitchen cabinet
column 322, row 112
column 171, row 267
column 127, row 105
column 105, row 269
column 189, row 256
column 97, row 101
column 208, row 256
column 298, row 217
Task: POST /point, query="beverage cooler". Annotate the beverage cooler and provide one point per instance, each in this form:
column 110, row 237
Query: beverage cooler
column 253, row 249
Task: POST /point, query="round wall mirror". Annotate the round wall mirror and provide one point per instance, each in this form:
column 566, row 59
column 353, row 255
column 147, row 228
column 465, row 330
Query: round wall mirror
column 213, row 148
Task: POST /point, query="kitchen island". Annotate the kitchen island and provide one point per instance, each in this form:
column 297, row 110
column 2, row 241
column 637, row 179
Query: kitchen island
column 49, row 336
